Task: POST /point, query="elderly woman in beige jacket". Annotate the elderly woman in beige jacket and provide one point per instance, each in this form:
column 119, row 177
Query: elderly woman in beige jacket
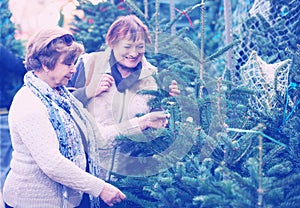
column 107, row 84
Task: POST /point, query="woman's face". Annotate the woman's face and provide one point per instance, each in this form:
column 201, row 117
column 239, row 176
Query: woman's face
column 61, row 73
column 129, row 53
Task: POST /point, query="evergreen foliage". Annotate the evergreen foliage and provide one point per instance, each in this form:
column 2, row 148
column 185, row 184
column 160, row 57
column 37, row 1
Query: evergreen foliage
column 7, row 30
column 12, row 52
column 237, row 156
column 91, row 30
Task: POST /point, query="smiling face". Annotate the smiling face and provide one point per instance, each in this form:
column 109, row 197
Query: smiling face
column 127, row 37
column 129, row 53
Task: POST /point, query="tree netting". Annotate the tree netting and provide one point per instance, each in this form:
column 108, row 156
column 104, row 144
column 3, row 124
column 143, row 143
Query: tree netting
column 269, row 27
column 269, row 33
column 269, row 81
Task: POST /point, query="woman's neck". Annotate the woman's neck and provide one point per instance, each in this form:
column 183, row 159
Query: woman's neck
column 124, row 71
column 43, row 76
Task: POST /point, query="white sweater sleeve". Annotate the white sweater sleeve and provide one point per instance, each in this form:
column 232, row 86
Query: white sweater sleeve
column 29, row 119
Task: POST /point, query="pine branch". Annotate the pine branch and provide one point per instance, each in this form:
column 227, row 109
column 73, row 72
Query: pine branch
column 179, row 16
column 222, row 51
column 137, row 11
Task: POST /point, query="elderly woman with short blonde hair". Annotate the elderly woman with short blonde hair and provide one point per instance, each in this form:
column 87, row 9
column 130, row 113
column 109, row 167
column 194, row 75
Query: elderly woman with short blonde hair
column 108, row 84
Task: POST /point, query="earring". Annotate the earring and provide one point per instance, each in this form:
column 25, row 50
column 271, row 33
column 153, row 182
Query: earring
column 46, row 70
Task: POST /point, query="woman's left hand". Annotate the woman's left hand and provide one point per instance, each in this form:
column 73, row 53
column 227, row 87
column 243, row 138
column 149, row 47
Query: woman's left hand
column 156, row 120
column 111, row 195
column 173, row 89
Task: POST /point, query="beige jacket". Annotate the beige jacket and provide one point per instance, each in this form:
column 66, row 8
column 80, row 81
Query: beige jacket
column 116, row 112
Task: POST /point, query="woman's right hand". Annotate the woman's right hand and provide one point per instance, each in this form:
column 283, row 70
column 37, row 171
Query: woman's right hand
column 156, row 120
column 111, row 195
column 96, row 88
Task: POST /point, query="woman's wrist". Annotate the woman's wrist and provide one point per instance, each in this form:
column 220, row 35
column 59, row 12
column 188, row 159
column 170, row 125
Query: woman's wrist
column 142, row 123
column 88, row 94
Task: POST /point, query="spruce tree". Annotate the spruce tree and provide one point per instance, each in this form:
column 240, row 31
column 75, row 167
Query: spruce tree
column 12, row 52
column 7, row 31
column 219, row 150
column 92, row 28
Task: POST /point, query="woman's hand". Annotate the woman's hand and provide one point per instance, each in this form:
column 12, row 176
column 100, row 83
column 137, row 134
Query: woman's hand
column 111, row 195
column 173, row 89
column 94, row 89
column 156, row 120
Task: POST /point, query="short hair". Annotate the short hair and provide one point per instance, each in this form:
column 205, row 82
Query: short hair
column 127, row 25
column 47, row 45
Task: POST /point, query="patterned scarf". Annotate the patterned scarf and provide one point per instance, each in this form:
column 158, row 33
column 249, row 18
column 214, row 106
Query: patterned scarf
column 66, row 114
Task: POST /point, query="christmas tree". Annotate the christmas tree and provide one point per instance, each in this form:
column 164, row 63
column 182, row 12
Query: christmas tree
column 97, row 18
column 228, row 144
column 7, row 30
column 12, row 52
